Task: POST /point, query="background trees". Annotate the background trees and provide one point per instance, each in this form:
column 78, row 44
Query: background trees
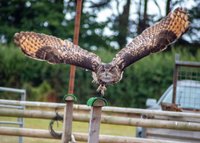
column 119, row 19
column 106, row 26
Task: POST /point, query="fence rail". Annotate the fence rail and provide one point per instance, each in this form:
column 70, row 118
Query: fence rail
column 11, row 131
column 115, row 110
column 151, row 123
column 110, row 115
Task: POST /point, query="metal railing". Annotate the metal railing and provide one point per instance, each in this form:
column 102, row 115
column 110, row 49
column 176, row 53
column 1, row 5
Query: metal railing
column 20, row 120
column 190, row 73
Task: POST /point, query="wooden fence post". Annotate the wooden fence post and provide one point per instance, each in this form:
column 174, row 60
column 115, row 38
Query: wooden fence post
column 68, row 113
column 96, row 103
column 68, row 117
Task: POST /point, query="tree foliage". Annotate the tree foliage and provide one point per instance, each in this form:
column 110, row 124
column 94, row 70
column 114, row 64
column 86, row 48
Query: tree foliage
column 56, row 17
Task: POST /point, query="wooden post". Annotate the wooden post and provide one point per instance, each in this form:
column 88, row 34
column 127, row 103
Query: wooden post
column 68, row 117
column 68, row 114
column 97, row 103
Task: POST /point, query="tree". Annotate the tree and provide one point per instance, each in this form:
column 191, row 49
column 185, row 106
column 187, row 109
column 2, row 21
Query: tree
column 143, row 17
column 168, row 7
column 49, row 17
column 39, row 16
column 122, row 26
column 193, row 32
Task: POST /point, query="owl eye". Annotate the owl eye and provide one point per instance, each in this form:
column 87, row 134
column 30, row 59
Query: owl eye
column 112, row 68
column 103, row 70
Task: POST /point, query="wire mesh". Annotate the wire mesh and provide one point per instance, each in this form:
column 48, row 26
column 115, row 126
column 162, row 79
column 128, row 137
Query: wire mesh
column 188, row 87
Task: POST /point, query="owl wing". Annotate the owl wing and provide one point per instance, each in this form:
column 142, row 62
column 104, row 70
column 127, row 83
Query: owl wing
column 154, row 39
column 55, row 50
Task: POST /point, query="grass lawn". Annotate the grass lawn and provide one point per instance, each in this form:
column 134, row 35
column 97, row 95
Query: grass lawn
column 77, row 127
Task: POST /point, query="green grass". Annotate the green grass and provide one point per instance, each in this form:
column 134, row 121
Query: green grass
column 77, row 127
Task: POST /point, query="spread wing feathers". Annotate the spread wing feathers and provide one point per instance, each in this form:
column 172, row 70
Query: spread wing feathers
column 55, row 50
column 153, row 39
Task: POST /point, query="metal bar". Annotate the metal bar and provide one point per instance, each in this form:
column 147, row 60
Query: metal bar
column 188, row 64
column 175, row 78
column 67, row 129
column 12, row 90
column 23, row 98
column 75, row 40
column 9, row 122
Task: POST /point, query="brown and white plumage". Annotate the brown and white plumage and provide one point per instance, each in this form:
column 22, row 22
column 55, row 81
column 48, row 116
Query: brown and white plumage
column 154, row 39
column 55, row 50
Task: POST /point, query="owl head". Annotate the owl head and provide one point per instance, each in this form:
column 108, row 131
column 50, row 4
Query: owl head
column 108, row 74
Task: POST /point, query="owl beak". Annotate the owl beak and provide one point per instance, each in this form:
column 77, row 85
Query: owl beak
column 106, row 74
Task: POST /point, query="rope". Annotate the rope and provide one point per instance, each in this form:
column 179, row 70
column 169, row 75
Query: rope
column 52, row 131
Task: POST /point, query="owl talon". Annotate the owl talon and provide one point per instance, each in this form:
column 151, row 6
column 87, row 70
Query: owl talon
column 94, row 81
column 102, row 92
column 101, row 89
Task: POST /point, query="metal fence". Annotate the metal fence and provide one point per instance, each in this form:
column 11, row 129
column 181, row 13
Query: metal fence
column 20, row 121
column 186, row 81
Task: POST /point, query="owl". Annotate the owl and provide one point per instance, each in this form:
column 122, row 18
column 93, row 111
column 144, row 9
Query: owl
column 154, row 39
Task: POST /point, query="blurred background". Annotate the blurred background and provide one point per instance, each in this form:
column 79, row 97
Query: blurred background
column 106, row 27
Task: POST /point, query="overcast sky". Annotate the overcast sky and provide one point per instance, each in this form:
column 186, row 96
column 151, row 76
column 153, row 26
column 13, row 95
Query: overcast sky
column 152, row 10
column 105, row 13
